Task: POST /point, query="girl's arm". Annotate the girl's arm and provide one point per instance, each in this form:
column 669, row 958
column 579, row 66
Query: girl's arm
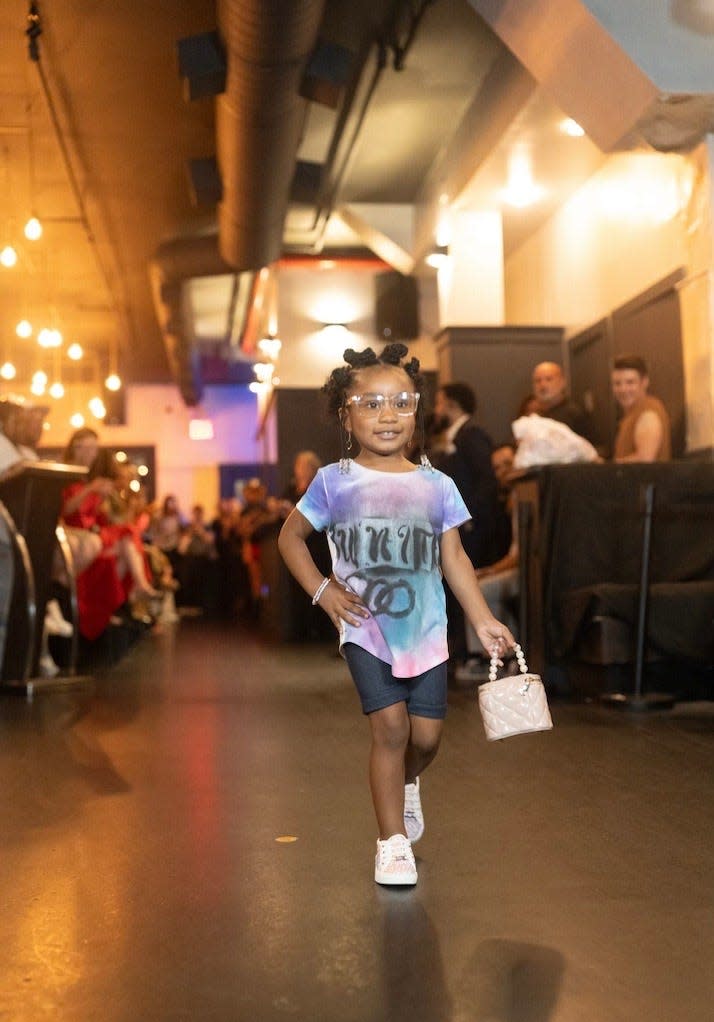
column 459, row 573
column 339, row 604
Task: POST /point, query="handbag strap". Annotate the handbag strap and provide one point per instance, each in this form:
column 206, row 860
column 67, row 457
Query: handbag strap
column 496, row 662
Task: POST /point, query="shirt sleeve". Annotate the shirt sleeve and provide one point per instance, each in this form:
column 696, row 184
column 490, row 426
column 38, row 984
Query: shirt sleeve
column 314, row 504
column 455, row 511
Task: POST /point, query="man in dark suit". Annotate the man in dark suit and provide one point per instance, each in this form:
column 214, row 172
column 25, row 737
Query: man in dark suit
column 465, row 455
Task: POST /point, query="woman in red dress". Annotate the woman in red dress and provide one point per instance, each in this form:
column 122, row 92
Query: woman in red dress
column 108, row 559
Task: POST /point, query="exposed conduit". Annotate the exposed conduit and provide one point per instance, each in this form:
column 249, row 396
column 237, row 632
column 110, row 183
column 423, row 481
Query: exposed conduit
column 258, row 121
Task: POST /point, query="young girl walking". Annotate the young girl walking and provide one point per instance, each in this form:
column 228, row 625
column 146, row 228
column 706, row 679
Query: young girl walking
column 392, row 528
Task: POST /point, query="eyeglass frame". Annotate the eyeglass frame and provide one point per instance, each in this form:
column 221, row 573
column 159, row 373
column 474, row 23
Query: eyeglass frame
column 384, row 399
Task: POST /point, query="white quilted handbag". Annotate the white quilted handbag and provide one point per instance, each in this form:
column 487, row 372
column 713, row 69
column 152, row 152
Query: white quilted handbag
column 513, row 705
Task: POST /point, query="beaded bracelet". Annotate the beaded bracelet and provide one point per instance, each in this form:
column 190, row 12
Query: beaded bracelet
column 320, row 590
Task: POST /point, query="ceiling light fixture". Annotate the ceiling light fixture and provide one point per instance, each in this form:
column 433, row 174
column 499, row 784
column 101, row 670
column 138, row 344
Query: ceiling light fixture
column 335, row 333
column 521, row 190
column 571, row 128
column 437, row 257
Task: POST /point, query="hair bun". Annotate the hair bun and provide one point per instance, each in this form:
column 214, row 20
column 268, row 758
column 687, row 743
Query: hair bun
column 360, row 359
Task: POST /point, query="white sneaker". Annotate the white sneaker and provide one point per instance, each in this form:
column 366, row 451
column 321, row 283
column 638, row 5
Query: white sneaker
column 413, row 815
column 394, row 861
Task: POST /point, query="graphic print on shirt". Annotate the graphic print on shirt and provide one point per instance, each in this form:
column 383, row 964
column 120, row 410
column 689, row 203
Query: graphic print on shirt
column 386, row 555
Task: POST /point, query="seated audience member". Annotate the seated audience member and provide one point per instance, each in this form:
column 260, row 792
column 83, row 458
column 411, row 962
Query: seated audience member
column 108, row 562
column 499, row 581
column 502, row 461
column 465, row 456
column 257, row 518
column 232, row 574
column 550, row 392
column 21, row 424
column 305, row 466
column 198, row 575
column 10, row 454
column 644, row 431
column 306, row 621
column 30, row 426
column 166, row 528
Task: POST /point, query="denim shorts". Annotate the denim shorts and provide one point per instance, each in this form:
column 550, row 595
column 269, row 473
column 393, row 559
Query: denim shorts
column 425, row 694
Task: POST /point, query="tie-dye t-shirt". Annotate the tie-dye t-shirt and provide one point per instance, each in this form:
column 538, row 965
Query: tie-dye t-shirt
column 383, row 530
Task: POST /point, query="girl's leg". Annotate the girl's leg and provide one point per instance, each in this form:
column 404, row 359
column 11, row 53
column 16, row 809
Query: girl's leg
column 390, row 736
column 423, row 744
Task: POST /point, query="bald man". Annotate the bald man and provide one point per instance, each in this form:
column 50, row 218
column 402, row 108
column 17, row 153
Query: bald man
column 550, row 390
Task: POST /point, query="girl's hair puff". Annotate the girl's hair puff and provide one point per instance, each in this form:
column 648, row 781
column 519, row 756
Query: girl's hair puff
column 342, row 379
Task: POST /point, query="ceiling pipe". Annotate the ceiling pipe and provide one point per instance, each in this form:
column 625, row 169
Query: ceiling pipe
column 258, row 121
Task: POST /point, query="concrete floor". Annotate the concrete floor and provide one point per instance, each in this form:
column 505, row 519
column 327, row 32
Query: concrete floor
column 564, row 876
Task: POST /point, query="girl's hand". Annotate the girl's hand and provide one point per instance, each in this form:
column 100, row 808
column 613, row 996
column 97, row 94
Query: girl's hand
column 341, row 605
column 495, row 637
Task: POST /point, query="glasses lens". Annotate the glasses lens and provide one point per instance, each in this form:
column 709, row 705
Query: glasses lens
column 369, row 406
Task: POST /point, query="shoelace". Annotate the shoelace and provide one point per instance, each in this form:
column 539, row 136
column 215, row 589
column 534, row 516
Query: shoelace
column 400, row 856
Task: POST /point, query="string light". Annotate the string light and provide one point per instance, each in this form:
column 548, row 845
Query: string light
column 33, row 229
column 8, row 257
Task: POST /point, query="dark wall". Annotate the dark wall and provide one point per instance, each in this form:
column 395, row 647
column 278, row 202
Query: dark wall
column 498, row 363
column 303, row 424
column 649, row 326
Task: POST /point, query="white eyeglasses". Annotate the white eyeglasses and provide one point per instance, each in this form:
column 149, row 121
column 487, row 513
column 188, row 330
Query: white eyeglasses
column 369, row 406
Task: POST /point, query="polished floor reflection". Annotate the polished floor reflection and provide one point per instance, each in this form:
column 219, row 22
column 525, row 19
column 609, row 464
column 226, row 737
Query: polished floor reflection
column 564, row 877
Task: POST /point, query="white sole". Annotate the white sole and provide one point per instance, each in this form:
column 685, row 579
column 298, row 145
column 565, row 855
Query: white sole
column 391, row 881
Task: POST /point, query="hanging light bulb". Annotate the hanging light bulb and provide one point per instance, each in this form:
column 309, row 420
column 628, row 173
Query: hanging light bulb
column 112, row 382
column 56, row 390
column 33, row 229
column 74, row 351
column 8, row 371
column 96, row 407
column 76, row 420
column 39, row 382
column 8, row 257
column 24, row 328
column 49, row 338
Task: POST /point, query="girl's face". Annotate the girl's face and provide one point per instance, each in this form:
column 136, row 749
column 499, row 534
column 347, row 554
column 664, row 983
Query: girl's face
column 380, row 411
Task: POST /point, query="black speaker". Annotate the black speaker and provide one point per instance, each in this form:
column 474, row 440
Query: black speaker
column 396, row 307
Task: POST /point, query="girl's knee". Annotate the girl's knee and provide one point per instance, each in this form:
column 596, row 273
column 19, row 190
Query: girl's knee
column 425, row 737
column 390, row 727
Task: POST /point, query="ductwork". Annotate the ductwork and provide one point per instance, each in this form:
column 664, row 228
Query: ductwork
column 258, row 121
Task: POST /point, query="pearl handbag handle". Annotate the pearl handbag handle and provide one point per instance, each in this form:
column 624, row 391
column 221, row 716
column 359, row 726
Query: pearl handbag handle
column 496, row 662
